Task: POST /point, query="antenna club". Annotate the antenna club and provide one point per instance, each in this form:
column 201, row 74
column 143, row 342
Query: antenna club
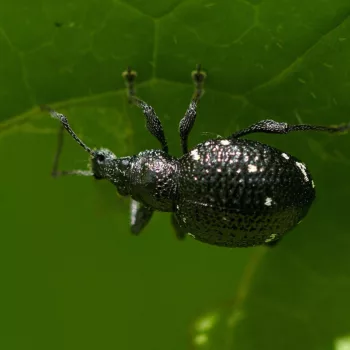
column 58, row 116
column 64, row 122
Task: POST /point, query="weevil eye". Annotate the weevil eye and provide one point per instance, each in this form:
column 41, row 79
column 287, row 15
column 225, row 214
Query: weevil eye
column 100, row 158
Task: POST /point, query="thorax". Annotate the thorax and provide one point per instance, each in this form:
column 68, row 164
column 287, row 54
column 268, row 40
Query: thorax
column 154, row 179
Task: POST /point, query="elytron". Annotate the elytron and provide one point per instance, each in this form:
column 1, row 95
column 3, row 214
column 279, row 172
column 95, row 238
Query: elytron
column 229, row 192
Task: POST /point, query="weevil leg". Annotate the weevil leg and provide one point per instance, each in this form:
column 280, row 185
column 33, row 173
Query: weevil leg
column 139, row 216
column 187, row 122
column 55, row 172
column 180, row 233
column 273, row 243
column 273, row 127
column 153, row 124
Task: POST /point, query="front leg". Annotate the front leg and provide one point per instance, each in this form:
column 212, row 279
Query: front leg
column 139, row 216
column 55, row 172
column 153, row 124
column 187, row 122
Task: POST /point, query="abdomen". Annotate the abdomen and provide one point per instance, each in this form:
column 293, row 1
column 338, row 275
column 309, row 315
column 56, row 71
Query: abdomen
column 241, row 192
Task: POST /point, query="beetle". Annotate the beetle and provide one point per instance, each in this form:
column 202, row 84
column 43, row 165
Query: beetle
column 229, row 192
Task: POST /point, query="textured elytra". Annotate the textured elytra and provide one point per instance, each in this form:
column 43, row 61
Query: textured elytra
column 233, row 193
column 240, row 192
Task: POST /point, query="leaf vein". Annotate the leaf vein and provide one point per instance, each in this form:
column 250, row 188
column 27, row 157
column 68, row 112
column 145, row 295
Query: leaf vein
column 277, row 78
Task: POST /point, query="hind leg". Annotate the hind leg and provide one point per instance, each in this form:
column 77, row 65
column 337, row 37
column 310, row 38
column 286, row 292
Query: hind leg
column 180, row 233
column 273, row 243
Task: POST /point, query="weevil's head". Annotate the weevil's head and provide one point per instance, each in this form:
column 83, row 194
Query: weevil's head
column 105, row 165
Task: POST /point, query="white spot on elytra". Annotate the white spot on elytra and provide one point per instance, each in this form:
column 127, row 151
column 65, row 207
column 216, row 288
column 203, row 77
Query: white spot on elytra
column 271, row 238
column 285, row 156
column 218, row 170
column 238, row 171
column 252, row 168
column 225, row 142
column 195, row 155
column 268, row 201
column 302, row 168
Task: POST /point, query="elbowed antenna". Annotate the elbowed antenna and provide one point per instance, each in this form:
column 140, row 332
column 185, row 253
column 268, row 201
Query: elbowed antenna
column 66, row 125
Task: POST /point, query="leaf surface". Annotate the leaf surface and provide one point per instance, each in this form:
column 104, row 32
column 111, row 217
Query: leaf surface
column 74, row 277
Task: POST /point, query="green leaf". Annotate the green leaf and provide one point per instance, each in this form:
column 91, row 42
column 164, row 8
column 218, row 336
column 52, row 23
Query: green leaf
column 73, row 276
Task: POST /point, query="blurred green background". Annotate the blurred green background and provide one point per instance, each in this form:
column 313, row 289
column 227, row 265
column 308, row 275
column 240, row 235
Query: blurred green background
column 72, row 276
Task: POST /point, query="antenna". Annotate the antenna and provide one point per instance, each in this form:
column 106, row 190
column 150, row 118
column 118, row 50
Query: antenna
column 66, row 125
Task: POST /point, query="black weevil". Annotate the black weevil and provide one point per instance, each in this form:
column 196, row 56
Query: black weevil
column 228, row 192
